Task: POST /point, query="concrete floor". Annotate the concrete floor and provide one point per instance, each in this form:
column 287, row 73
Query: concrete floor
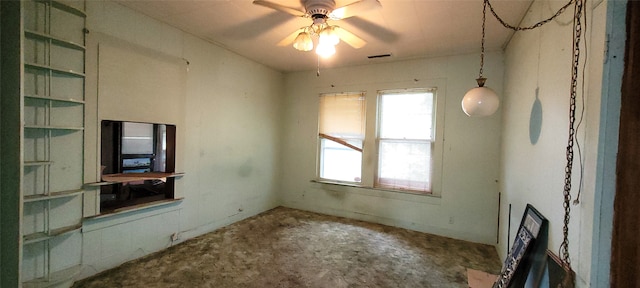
column 291, row 248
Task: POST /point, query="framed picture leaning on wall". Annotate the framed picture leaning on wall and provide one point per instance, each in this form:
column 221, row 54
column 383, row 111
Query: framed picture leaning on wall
column 515, row 269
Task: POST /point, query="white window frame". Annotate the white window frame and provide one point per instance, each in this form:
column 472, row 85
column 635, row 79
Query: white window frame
column 430, row 141
column 320, row 155
column 370, row 144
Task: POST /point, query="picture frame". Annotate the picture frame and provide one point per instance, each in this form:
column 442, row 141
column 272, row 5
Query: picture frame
column 558, row 272
column 532, row 220
column 520, row 247
column 528, row 244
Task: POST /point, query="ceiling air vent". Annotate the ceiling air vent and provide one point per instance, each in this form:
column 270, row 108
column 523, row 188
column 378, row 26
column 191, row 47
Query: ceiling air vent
column 379, row 56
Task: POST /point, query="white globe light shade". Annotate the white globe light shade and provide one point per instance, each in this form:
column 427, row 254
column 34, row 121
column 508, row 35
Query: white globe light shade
column 480, row 101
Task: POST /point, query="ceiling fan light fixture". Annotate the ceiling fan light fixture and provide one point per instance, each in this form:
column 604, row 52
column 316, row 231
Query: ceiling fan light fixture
column 328, row 36
column 303, row 42
column 325, row 50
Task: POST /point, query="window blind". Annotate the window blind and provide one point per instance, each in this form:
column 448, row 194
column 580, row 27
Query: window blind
column 342, row 115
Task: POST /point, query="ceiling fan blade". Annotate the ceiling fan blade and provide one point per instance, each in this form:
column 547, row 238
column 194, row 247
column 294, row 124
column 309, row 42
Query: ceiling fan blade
column 285, row 9
column 289, row 39
column 354, row 9
column 349, row 38
column 247, row 30
column 374, row 30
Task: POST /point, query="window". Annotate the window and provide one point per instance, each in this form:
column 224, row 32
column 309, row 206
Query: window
column 341, row 134
column 405, row 136
column 401, row 142
column 139, row 160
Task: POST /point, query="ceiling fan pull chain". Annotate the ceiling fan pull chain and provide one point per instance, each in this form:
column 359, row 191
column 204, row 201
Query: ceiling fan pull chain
column 318, row 72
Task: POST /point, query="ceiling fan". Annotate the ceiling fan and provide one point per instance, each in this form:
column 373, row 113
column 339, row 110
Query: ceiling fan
column 320, row 11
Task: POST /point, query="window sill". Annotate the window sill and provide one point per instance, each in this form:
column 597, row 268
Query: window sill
column 377, row 192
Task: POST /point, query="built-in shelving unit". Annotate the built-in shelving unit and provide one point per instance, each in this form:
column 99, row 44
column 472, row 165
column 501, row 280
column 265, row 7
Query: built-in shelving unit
column 53, row 125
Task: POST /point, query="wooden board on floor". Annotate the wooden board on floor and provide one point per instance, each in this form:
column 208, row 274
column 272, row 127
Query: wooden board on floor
column 480, row 279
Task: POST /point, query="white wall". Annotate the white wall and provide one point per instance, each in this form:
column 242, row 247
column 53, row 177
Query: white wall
column 533, row 168
column 233, row 137
column 228, row 130
column 467, row 207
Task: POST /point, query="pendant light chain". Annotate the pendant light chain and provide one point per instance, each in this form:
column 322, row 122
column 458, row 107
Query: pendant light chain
column 577, row 35
column 518, row 28
column 484, row 19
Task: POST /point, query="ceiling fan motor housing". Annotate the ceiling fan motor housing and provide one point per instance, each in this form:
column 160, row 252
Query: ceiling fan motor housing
column 319, row 8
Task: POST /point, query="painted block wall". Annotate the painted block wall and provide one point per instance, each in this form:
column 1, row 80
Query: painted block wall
column 535, row 128
column 467, row 205
column 228, row 136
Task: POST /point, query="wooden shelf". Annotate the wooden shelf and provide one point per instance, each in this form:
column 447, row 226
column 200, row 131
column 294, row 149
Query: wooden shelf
column 53, row 127
column 110, row 179
column 37, row 163
column 53, row 195
column 58, row 41
column 69, row 100
column 42, row 236
column 64, row 7
column 54, row 278
column 59, row 70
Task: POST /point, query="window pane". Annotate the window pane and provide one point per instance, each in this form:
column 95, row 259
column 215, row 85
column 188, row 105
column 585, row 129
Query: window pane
column 339, row 162
column 406, row 116
column 137, row 138
column 405, row 165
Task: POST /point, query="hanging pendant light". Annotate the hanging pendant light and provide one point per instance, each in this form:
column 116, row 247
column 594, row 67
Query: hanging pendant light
column 481, row 101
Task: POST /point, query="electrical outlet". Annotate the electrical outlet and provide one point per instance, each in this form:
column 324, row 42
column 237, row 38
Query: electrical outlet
column 175, row 237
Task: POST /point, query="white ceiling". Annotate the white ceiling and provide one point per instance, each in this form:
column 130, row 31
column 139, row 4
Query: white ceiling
column 403, row 28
